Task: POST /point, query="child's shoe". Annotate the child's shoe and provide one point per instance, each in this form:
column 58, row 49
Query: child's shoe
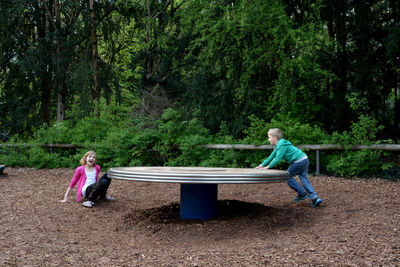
column 2, row 169
column 109, row 198
column 88, row 204
column 316, row 202
column 300, row 197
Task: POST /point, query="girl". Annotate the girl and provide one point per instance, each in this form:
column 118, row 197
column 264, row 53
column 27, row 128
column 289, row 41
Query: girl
column 89, row 186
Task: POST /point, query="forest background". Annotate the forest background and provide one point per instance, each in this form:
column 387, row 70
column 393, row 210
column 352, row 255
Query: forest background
column 145, row 82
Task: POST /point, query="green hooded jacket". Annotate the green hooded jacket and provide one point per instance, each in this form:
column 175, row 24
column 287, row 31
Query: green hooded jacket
column 283, row 150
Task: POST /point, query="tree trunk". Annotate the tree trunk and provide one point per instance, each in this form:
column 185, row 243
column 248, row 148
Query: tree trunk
column 144, row 105
column 338, row 31
column 93, row 36
column 46, row 88
column 397, row 112
column 154, row 78
column 60, row 68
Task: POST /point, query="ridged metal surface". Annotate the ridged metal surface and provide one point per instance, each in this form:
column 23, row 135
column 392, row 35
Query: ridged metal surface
column 198, row 175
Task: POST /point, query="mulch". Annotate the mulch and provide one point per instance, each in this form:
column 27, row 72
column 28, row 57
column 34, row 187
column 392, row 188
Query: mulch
column 358, row 224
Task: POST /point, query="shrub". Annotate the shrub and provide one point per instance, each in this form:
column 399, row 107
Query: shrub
column 356, row 163
column 130, row 146
column 175, row 141
column 293, row 130
column 180, row 139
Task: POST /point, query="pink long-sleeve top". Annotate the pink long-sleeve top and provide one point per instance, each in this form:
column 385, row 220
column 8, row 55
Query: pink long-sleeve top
column 80, row 178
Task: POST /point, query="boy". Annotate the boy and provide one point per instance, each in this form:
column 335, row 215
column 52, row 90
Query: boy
column 298, row 161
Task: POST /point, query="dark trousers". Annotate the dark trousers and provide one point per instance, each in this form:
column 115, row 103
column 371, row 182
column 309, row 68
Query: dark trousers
column 98, row 189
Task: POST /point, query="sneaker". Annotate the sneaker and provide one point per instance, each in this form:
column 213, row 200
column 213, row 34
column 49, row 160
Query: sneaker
column 300, row 197
column 109, row 198
column 316, row 202
column 2, row 169
column 88, row 204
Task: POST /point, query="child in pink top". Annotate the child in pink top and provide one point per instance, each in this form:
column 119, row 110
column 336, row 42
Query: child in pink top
column 89, row 186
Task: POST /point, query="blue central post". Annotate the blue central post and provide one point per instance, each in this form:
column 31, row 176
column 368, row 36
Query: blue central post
column 198, row 201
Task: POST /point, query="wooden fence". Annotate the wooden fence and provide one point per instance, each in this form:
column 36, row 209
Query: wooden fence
column 45, row 145
column 316, row 148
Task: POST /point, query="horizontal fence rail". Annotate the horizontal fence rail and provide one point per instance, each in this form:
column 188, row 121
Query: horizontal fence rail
column 316, row 148
column 45, row 145
column 383, row 147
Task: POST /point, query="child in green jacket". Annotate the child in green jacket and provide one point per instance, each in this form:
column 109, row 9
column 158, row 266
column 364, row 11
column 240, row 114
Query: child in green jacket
column 299, row 164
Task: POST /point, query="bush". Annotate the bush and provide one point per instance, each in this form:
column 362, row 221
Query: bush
column 91, row 130
column 180, row 139
column 356, row 163
column 293, row 130
column 14, row 156
column 130, row 146
column 175, row 141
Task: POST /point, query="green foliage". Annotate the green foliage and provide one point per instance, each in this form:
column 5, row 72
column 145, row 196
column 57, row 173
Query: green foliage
column 91, row 130
column 79, row 80
column 41, row 158
column 392, row 173
column 299, row 65
column 14, row 156
column 357, row 163
column 176, row 141
column 303, row 80
column 129, row 146
column 354, row 163
column 171, row 141
column 59, row 133
column 46, row 60
column 179, row 139
column 35, row 156
column 293, row 130
column 249, row 58
column 364, row 131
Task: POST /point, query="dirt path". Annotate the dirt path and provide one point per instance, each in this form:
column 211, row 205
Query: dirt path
column 358, row 224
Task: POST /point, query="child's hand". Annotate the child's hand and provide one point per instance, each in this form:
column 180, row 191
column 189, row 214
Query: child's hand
column 261, row 167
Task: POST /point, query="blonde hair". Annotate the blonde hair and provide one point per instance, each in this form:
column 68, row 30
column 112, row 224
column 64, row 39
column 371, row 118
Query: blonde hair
column 276, row 132
column 83, row 160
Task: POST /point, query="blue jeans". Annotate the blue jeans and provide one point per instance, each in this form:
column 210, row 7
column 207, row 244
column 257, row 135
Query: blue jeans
column 301, row 169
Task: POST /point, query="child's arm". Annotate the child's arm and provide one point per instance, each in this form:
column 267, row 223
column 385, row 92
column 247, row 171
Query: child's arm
column 72, row 184
column 77, row 176
column 279, row 153
column 273, row 159
column 264, row 164
column 66, row 195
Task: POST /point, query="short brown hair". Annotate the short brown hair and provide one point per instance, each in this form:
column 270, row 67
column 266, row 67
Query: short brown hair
column 276, row 132
column 83, row 160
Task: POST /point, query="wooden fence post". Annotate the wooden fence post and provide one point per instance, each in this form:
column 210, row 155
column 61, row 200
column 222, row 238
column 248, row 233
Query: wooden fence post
column 317, row 167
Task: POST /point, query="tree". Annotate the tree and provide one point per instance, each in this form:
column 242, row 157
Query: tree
column 254, row 60
column 95, row 54
column 40, row 40
column 69, row 33
column 364, row 33
column 161, row 53
column 26, row 85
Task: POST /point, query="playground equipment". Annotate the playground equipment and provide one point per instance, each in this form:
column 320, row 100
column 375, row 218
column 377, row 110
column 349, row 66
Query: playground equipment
column 199, row 185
